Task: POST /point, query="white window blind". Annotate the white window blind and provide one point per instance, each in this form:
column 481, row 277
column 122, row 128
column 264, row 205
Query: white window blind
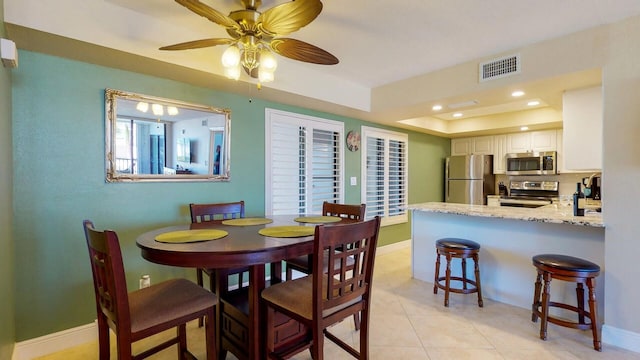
column 385, row 174
column 304, row 163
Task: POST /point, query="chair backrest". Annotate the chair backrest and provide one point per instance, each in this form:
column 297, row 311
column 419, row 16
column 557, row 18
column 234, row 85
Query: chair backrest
column 109, row 282
column 354, row 212
column 216, row 212
column 348, row 283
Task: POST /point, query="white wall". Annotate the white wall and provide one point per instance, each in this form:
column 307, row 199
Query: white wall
column 621, row 168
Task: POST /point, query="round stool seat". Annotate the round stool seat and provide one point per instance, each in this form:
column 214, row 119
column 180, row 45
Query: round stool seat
column 457, row 244
column 565, row 262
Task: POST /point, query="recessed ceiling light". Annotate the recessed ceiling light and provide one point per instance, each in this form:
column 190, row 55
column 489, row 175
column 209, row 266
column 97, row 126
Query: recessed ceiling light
column 457, row 115
column 533, row 103
column 517, row 93
column 524, row 128
column 436, row 107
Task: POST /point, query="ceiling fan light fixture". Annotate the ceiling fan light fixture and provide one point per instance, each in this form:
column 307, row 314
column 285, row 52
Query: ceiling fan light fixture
column 265, row 76
column 268, row 62
column 232, row 72
column 231, row 57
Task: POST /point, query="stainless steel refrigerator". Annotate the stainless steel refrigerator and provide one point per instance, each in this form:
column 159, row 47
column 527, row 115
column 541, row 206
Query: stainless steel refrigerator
column 469, row 179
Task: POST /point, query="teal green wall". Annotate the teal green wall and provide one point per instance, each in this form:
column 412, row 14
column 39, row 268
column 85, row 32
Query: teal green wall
column 58, row 167
column 7, row 294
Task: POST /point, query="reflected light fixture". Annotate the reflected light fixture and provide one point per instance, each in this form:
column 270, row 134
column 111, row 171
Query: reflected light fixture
column 157, row 109
column 142, row 106
column 172, row 110
column 251, row 55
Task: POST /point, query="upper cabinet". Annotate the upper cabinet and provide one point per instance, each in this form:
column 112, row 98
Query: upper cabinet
column 499, row 152
column 532, row 141
column 472, row 145
column 582, row 129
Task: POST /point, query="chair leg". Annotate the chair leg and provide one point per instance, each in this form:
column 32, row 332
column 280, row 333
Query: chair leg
column 477, row 274
column 200, row 282
column 536, row 297
column 317, row 344
column 356, row 321
column 182, row 342
column 593, row 309
column 103, row 339
column 545, row 306
column 437, row 272
column 364, row 334
column 447, row 281
column 210, row 333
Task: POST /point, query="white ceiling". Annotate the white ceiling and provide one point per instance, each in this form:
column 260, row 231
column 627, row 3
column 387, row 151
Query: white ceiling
column 378, row 42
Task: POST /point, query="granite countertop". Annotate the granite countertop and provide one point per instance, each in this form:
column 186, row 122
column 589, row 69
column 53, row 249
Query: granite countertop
column 553, row 213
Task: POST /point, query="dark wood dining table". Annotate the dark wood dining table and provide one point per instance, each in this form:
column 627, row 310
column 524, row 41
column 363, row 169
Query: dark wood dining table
column 239, row 319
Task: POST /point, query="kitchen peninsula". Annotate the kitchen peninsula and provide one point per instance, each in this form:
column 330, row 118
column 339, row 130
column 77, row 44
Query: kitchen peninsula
column 509, row 237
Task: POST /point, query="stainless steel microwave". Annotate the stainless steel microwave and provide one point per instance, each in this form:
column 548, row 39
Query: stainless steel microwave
column 540, row 163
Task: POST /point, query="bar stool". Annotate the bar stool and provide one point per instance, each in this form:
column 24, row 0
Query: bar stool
column 566, row 268
column 463, row 249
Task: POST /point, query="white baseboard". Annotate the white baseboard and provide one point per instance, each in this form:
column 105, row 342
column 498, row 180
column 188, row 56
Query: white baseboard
column 48, row 344
column 621, row 338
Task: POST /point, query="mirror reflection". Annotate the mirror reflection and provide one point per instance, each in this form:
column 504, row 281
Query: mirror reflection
column 155, row 139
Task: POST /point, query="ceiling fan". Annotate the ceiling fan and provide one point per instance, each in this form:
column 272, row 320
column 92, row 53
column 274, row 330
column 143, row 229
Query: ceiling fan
column 255, row 34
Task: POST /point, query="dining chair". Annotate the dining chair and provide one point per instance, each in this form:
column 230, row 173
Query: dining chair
column 303, row 263
column 217, row 213
column 145, row 312
column 327, row 297
column 352, row 212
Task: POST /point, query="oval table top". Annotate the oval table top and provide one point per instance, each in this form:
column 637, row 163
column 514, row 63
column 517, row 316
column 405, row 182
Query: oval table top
column 243, row 246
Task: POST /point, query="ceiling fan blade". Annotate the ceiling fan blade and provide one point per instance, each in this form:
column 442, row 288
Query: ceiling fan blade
column 302, row 51
column 197, row 44
column 209, row 13
column 289, row 17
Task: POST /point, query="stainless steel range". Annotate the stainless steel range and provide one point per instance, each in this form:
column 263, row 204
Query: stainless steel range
column 530, row 194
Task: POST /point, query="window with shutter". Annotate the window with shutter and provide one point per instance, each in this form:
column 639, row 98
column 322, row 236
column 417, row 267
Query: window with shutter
column 384, row 174
column 304, row 165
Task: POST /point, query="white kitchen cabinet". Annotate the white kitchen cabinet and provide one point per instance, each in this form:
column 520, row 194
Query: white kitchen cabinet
column 461, row 146
column 582, row 129
column 499, row 152
column 472, row 145
column 483, row 145
column 532, row 141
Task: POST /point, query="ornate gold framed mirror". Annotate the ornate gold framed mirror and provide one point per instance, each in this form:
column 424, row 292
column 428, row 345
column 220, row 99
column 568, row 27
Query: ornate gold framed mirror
column 149, row 138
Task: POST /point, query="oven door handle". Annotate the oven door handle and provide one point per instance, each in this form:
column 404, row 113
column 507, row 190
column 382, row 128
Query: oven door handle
column 527, row 202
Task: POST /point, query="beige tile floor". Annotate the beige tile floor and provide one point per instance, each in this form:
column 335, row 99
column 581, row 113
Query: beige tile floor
column 409, row 322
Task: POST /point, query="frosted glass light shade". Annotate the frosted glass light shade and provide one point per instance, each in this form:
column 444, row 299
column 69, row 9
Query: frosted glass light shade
column 232, row 72
column 268, row 62
column 231, row 57
column 265, row 76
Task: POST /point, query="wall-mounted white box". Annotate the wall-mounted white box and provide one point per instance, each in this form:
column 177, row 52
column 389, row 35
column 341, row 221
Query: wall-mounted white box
column 8, row 53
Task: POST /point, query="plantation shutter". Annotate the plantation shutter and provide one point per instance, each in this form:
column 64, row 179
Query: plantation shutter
column 304, row 163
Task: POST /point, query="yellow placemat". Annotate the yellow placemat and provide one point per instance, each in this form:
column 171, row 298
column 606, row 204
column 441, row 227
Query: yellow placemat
column 247, row 221
column 318, row 219
column 287, row 231
column 187, row 236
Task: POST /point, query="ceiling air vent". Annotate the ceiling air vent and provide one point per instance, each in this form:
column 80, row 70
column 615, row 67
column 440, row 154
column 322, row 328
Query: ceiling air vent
column 499, row 68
